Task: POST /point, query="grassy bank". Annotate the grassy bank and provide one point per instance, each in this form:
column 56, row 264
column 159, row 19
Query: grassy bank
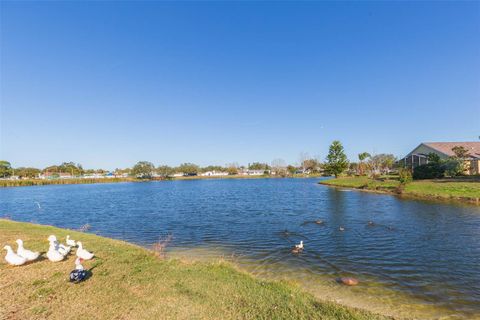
column 130, row 282
column 466, row 190
column 41, row 182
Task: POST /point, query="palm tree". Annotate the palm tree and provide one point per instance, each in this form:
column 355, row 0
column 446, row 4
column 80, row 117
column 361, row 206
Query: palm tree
column 362, row 156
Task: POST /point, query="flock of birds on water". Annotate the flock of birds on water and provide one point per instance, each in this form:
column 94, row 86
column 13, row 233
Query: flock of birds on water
column 56, row 252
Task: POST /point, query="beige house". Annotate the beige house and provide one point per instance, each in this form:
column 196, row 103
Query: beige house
column 419, row 155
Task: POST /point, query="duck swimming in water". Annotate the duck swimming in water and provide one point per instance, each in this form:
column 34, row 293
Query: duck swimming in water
column 298, row 247
column 78, row 274
column 341, row 229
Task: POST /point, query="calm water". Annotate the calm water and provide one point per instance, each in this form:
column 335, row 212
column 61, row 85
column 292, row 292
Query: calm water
column 420, row 259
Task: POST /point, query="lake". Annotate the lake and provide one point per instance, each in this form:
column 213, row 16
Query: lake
column 419, row 258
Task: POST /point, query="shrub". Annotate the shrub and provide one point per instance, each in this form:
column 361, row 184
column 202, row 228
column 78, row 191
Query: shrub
column 429, row 171
column 405, row 175
column 453, row 167
column 435, row 170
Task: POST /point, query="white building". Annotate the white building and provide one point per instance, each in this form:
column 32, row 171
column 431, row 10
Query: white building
column 178, row 174
column 214, row 174
column 249, row 172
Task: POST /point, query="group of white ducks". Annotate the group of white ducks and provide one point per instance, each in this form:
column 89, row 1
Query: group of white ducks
column 56, row 252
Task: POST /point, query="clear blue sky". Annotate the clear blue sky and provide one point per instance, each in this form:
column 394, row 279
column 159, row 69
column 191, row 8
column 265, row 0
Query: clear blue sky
column 107, row 84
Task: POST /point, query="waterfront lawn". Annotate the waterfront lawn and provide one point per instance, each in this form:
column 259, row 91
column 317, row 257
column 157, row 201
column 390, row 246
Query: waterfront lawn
column 388, row 183
column 130, row 282
column 445, row 189
column 460, row 189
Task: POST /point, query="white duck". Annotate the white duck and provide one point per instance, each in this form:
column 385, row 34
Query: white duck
column 64, row 250
column 27, row 254
column 70, row 242
column 82, row 253
column 12, row 258
column 300, row 245
column 53, row 254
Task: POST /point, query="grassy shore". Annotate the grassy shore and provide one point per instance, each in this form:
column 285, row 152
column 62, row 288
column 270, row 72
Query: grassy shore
column 130, row 282
column 464, row 190
column 40, row 182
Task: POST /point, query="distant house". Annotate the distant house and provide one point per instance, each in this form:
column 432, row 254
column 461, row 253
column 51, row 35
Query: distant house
column 214, row 174
column 55, row 175
column 249, row 172
column 178, row 174
column 93, row 176
column 419, row 155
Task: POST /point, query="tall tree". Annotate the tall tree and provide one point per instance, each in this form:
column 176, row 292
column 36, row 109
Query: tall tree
column 382, row 163
column 361, row 165
column 232, row 168
column 165, row 171
column 461, row 154
column 5, row 169
column 291, row 169
column 280, row 167
column 188, row 168
column 337, row 161
column 143, row 169
column 258, row 166
column 27, row 172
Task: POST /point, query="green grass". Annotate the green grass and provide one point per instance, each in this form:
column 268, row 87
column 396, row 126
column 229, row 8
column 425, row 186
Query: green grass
column 467, row 190
column 445, row 189
column 130, row 282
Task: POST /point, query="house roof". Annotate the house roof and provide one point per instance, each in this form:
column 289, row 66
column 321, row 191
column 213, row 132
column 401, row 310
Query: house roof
column 446, row 147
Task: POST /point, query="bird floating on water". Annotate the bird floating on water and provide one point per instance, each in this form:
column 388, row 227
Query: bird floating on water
column 78, row 274
column 27, row 254
column 298, row 247
column 371, row 223
column 82, row 253
column 12, row 258
column 319, row 221
column 341, row 229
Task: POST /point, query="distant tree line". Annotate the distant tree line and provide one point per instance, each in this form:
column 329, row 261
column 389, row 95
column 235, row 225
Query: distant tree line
column 336, row 163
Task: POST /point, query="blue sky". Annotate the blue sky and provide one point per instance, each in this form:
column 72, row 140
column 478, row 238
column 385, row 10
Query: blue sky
column 107, row 84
